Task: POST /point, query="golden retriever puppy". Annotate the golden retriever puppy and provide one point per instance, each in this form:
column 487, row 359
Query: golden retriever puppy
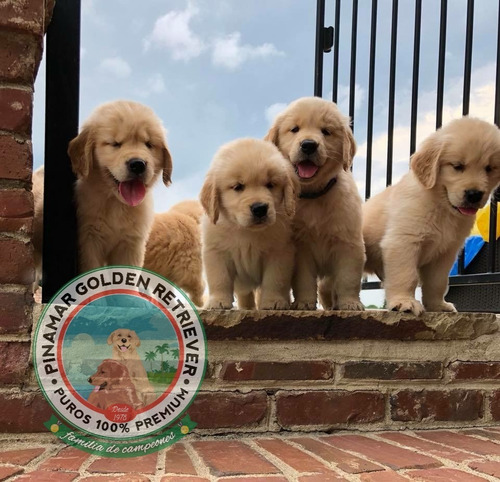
column 249, row 199
column 173, row 249
column 414, row 229
column 124, row 343
column 113, row 385
column 317, row 140
column 117, row 157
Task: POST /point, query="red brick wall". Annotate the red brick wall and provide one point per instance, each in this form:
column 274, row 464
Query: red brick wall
column 366, row 395
column 22, row 27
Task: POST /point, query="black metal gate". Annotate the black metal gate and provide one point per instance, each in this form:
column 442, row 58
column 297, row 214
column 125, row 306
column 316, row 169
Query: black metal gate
column 484, row 274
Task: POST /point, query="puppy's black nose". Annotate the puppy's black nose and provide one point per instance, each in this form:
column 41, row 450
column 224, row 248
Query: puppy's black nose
column 89, row 379
column 124, row 340
column 473, row 196
column 136, row 166
column 308, row 146
column 259, row 210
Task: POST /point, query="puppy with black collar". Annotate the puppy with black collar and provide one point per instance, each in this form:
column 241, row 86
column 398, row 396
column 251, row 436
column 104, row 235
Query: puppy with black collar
column 316, row 138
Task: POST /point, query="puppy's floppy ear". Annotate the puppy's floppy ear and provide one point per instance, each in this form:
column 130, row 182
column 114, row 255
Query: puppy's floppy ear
column 425, row 161
column 273, row 134
column 136, row 339
column 290, row 192
column 209, row 198
column 348, row 148
column 167, row 166
column 110, row 337
column 81, row 152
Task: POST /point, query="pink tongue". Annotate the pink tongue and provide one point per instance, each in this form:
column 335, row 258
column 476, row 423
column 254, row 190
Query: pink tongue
column 468, row 211
column 307, row 169
column 96, row 389
column 123, row 348
column 132, row 191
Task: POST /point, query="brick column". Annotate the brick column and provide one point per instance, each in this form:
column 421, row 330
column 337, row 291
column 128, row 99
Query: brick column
column 22, row 27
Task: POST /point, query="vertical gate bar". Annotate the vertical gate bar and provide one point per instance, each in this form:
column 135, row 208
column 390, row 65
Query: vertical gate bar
column 371, row 88
column 468, row 56
column 61, row 125
column 352, row 82
column 492, row 245
column 466, row 91
column 392, row 92
column 318, row 58
column 336, row 51
column 441, row 63
column 416, row 65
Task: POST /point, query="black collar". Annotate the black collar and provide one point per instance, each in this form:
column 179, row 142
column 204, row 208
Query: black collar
column 317, row 194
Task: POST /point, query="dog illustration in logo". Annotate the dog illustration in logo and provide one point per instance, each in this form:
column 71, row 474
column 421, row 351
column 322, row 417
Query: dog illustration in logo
column 124, row 343
column 113, row 385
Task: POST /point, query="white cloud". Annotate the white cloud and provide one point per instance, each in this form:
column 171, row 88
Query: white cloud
column 154, row 85
column 115, row 66
column 173, row 32
column 229, row 53
column 273, row 110
column 343, row 97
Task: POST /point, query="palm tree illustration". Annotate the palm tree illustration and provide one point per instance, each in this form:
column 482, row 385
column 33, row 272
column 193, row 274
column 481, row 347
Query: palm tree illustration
column 161, row 349
column 175, row 353
column 151, row 356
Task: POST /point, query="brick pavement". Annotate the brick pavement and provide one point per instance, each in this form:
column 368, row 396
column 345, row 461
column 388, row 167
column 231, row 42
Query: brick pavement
column 447, row 455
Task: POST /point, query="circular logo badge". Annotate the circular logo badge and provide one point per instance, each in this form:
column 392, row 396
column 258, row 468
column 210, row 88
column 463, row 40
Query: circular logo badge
column 120, row 353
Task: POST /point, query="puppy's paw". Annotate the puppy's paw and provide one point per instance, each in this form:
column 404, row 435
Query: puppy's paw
column 219, row 304
column 273, row 304
column 304, row 305
column 406, row 305
column 350, row 305
column 440, row 306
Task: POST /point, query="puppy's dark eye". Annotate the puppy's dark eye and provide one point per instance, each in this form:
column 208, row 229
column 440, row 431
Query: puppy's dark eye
column 488, row 169
column 149, row 145
column 459, row 167
column 325, row 132
column 116, row 144
column 269, row 185
column 295, row 129
column 239, row 187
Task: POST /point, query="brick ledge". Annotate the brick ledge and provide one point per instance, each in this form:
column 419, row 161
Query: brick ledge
column 346, row 325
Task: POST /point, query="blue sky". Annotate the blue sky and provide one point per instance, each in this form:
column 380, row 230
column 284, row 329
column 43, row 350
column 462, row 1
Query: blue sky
column 216, row 70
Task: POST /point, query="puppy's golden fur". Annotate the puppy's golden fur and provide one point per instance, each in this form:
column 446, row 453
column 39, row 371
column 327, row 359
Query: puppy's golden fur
column 124, row 343
column 173, row 249
column 117, row 157
column 414, row 229
column 113, row 385
column 249, row 198
column 38, row 223
column 327, row 229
